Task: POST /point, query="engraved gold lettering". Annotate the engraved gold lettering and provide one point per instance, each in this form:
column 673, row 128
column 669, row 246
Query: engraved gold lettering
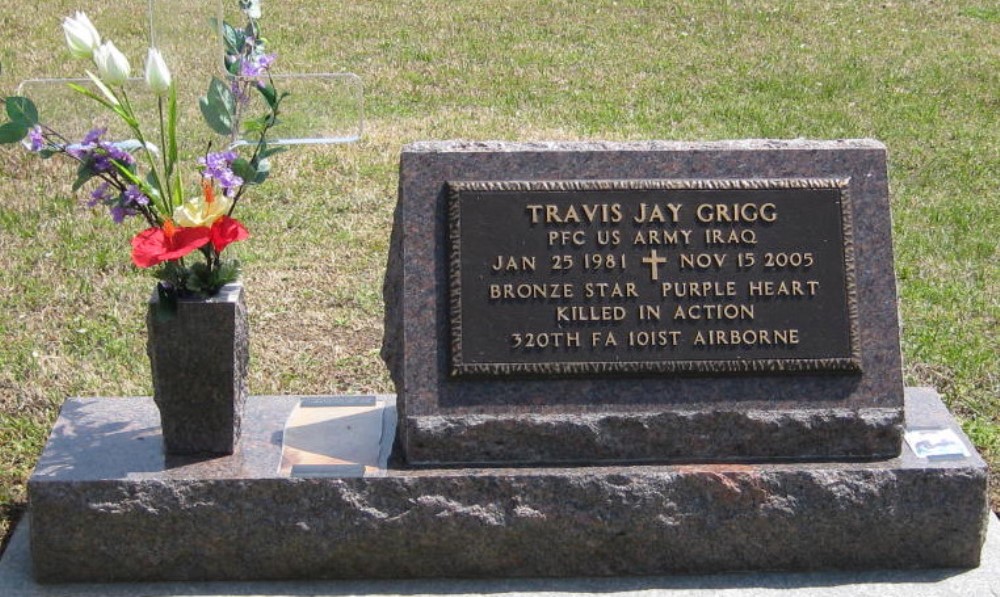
column 649, row 214
column 784, row 288
column 590, row 213
column 536, row 211
column 649, row 312
column 606, row 213
column 510, row 263
column 652, row 214
column 530, row 291
column 604, row 261
column 567, row 237
column 714, row 311
column 609, row 237
column 552, row 214
column 779, row 337
column 526, row 340
column 656, row 236
column 746, row 236
column 570, row 216
column 708, row 213
column 610, row 290
column 704, row 289
column 603, row 339
column 606, row 313
column 655, row 338
column 701, row 260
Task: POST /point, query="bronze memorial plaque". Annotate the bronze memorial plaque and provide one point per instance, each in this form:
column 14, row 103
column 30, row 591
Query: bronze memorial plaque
column 556, row 278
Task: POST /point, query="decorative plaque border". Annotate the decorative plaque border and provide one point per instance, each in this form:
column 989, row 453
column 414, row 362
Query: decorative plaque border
column 459, row 368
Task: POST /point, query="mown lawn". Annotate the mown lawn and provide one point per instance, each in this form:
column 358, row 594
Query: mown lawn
column 921, row 76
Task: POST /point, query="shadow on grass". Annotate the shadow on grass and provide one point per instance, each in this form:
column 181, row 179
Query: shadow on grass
column 10, row 515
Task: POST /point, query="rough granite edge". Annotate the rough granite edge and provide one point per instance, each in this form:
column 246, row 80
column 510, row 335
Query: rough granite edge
column 665, row 436
column 469, row 146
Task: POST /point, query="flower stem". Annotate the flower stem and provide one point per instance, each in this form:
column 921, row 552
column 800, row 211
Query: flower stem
column 133, row 123
column 164, row 150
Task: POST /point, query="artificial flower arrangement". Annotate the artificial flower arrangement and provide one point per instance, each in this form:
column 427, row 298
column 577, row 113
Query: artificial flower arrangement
column 142, row 179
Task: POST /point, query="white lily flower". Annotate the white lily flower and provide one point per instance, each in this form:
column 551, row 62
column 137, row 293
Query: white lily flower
column 81, row 35
column 112, row 65
column 251, row 8
column 157, row 73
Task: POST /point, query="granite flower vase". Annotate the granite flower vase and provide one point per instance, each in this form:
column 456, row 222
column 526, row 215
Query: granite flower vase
column 199, row 353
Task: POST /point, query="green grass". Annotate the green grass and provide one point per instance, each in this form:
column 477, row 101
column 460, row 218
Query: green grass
column 922, row 77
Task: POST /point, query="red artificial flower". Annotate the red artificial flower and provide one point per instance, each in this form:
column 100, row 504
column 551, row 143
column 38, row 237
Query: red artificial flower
column 226, row 230
column 156, row 245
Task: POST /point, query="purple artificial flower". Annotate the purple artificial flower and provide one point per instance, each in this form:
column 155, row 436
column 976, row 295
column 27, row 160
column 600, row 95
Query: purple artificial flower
column 100, row 163
column 101, row 157
column 127, row 203
column 237, row 88
column 134, row 196
column 220, row 160
column 84, row 149
column 94, row 136
column 218, row 167
column 36, row 139
column 257, row 65
column 230, row 183
column 122, row 205
column 119, row 213
column 101, row 194
column 119, row 155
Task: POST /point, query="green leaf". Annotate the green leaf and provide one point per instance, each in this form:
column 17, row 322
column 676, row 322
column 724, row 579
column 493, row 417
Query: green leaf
column 270, row 95
column 234, row 39
column 171, row 147
column 22, row 111
column 218, row 107
column 166, row 308
column 112, row 105
column 266, row 153
column 252, row 127
column 131, row 145
column 110, row 97
column 206, row 281
column 152, row 186
column 220, row 122
column 84, row 91
column 263, row 170
column 83, row 174
column 12, row 132
column 127, row 172
column 178, row 197
column 242, row 168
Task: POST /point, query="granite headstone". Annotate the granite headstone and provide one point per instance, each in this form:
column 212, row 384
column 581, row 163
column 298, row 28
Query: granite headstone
column 643, row 302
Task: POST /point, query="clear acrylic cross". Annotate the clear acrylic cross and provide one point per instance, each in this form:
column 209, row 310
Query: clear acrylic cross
column 321, row 108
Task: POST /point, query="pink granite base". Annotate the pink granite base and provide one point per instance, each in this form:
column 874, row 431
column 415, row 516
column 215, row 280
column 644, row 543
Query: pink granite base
column 107, row 505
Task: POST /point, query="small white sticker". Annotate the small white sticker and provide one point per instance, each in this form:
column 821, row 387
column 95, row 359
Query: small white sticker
column 936, row 443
